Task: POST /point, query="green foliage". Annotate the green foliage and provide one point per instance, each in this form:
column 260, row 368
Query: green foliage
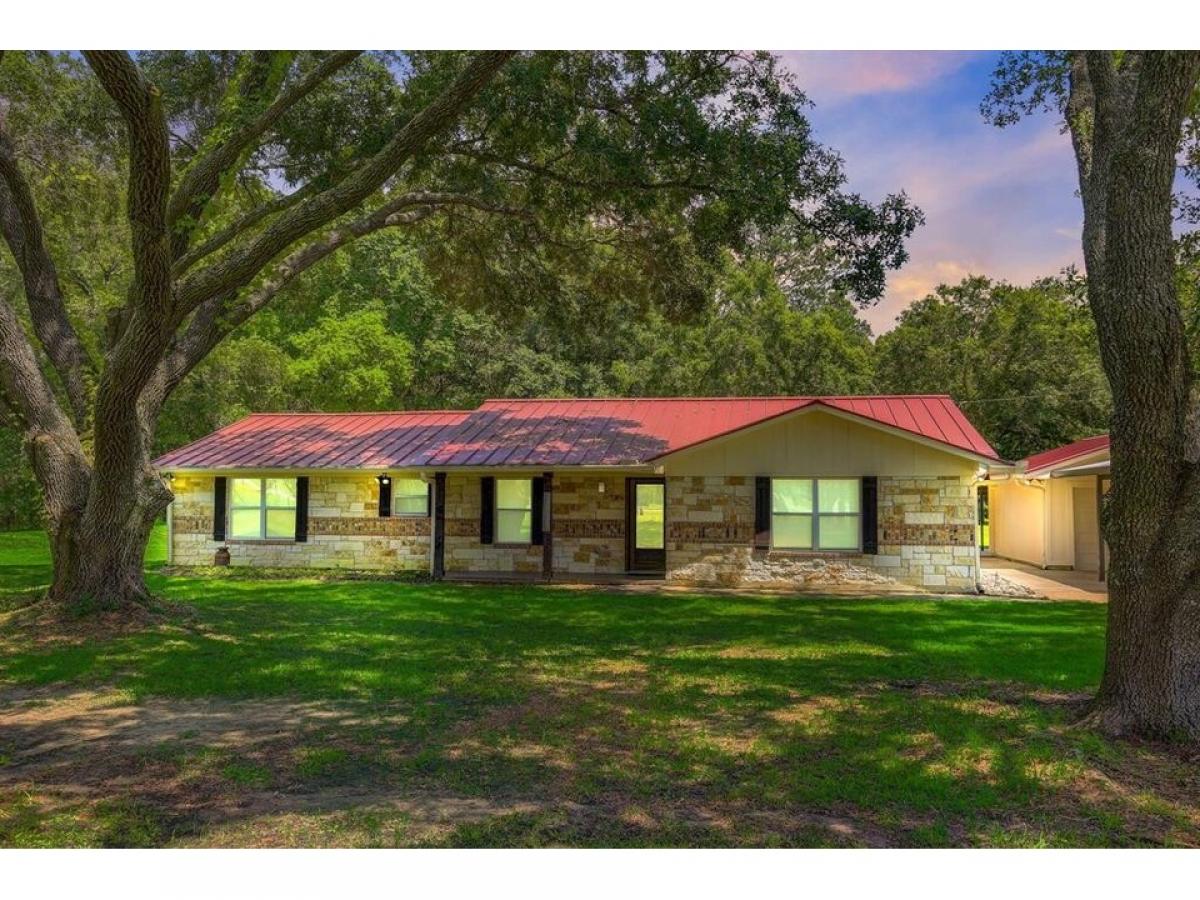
column 70, row 139
column 669, row 158
column 20, row 502
column 350, row 363
column 1022, row 361
column 752, row 341
column 372, row 331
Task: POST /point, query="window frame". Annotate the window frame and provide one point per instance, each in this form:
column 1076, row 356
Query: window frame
column 816, row 515
column 424, row 495
column 263, row 509
column 497, row 508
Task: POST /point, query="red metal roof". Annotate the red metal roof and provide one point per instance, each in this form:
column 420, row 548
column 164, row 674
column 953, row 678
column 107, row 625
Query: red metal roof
column 591, row 432
column 313, row 441
column 1049, row 459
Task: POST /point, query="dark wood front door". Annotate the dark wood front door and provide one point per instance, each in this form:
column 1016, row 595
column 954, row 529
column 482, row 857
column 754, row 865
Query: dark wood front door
column 646, row 525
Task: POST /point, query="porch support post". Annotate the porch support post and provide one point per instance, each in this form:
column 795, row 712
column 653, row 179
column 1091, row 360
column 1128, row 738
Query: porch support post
column 547, row 525
column 439, row 525
column 1100, row 525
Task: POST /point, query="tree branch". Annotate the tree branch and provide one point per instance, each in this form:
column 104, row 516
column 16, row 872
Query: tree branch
column 21, row 378
column 22, row 230
column 219, row 316
column 238, row 269
column 689, row 182
column 221, row 238
column 140, row 104
column 202, row 178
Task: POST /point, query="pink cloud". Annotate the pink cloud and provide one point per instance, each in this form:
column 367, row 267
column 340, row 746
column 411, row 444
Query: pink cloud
column 996, row 203
column 832, row 77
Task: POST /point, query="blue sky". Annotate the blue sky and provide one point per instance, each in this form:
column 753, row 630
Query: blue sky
column 997, row 202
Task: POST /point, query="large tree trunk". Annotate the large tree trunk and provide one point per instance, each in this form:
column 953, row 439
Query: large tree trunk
column 99, row 562
column 98, row 528
column 1126, row 124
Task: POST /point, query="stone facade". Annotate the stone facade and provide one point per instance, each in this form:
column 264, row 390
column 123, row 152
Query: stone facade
column 589, row 524
column 926, row 538
column 926, row 533
column 344, row 530
column 710, row 528
column 588, row 529
column 464, row 553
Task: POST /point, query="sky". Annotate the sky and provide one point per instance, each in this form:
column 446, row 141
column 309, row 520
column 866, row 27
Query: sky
column 997, row 202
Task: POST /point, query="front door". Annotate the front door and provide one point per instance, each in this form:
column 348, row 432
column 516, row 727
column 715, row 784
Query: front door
column 645, row 525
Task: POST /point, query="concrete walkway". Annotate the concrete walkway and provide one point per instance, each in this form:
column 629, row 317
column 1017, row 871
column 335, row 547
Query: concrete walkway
column 1053, row 584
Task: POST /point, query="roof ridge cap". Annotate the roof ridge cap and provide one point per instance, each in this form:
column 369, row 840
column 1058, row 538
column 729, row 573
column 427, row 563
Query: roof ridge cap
column 730, row 397
column 387, row 412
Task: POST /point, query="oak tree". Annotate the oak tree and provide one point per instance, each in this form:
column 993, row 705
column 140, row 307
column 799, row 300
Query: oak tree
column 242, row 171
column 1128, row 113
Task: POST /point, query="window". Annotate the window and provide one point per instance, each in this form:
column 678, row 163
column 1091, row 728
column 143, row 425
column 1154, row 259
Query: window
column 815, row 513
column 262, row 508
column 514, row 510
column 410, row 497
column 792, row 513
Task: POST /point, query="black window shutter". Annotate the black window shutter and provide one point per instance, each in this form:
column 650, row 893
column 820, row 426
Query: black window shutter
column 539, row 495
column 870, row 514
column 219, row 508
column 439, row 526
column 385, row 498
column 429, row 499
column 762, row 511
column 487, row 508
column 302, row 509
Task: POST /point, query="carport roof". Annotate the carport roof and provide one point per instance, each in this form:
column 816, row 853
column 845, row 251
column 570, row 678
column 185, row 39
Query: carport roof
column 1052, row 459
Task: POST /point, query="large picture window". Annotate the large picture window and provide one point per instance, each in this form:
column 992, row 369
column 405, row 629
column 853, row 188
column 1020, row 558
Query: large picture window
column 410, row 497
column 514, row 510
column 262, row 508
column 816, row 513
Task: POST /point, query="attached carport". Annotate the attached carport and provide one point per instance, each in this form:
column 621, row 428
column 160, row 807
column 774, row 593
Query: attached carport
column 1045, row 511
column 1089, row 484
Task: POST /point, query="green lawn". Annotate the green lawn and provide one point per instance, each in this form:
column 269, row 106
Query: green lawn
column 319, row 713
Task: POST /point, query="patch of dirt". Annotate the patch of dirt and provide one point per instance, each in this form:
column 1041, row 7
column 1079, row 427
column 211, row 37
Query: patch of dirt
column 73, row 748
column 994, row 693
column 44, row 623
column 48, row 729
column 272, row 814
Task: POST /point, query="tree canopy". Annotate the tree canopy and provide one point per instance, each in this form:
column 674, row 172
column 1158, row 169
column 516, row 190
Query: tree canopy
column 1022, row 361
column 153, row 204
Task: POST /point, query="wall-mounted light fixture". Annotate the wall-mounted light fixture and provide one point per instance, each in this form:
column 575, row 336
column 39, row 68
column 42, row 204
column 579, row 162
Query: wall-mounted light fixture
column 600, row 487
column 385, row 478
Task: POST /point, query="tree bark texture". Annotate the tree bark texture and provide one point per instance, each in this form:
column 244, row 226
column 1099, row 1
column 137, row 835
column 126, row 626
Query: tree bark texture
column 1126, row 122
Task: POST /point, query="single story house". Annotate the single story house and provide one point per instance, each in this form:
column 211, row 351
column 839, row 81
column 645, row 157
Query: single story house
column 1045, row 510
column 719, row 491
